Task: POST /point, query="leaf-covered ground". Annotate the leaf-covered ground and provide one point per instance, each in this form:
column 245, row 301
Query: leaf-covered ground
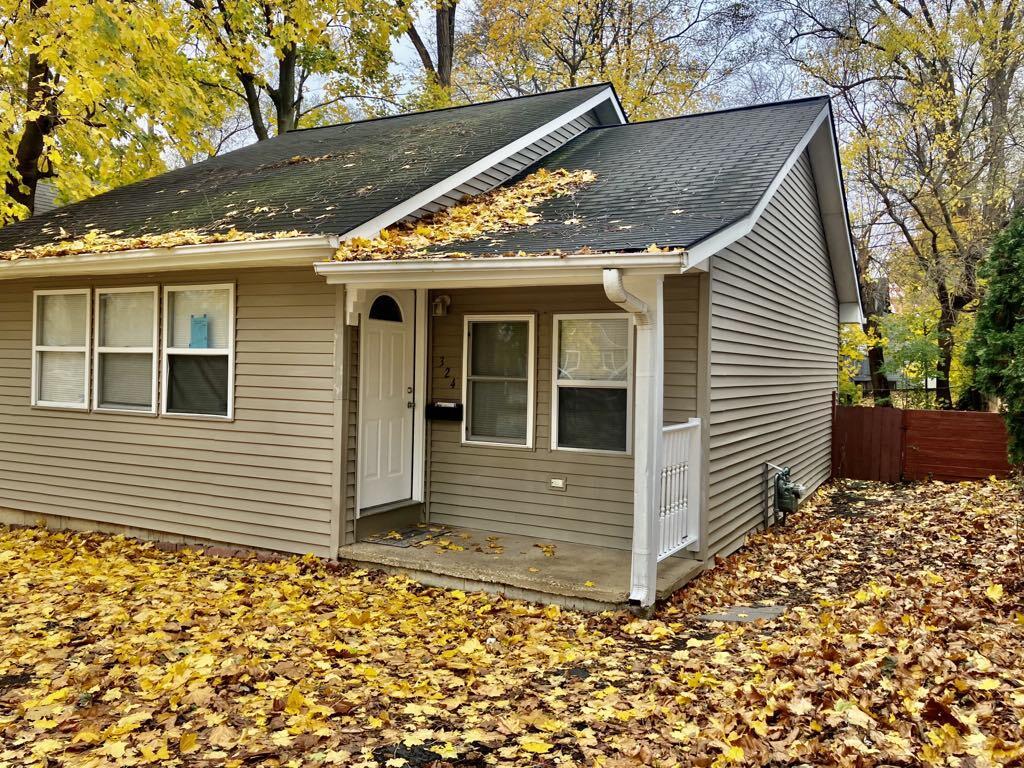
column 903, row 645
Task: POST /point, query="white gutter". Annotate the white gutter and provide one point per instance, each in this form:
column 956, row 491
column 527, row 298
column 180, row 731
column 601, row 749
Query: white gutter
column 563, row 269
column 272, row 252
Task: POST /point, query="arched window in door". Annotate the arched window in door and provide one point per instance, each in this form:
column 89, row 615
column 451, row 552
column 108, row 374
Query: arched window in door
column 386, row 308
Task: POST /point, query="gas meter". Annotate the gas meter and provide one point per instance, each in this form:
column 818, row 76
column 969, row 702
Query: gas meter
column 787, row 493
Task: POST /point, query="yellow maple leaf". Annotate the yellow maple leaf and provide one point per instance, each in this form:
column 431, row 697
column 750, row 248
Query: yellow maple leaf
column 535, row 745
column 188, row 742
column 295, row 702
column 994, row 592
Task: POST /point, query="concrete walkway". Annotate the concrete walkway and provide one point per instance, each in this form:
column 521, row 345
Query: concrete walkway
column 573, row 575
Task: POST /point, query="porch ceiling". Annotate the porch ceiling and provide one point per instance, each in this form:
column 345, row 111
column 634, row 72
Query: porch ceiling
column 576, row 575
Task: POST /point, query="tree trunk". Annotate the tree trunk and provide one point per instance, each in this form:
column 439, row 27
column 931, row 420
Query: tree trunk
column 947, row 321
column 284, row 96
column 877, row 305
column 445, row 26
column 252, row 102
column 20, row 185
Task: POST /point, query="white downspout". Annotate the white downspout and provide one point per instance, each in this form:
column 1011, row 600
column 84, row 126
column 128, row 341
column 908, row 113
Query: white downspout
column 648, row 406
column 617, row 294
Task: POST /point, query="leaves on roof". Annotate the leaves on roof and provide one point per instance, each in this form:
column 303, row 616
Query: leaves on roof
column 494, row 212
column 96, row 241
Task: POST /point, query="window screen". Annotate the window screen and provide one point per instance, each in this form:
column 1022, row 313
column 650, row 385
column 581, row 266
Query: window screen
column 593, row 357
column 198, row 384
column 199, row 354
column 60, row 348
column 126, row 349
column 499, row 380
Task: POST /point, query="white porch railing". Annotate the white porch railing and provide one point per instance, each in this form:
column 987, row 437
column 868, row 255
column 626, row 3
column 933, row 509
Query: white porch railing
column 679, row 512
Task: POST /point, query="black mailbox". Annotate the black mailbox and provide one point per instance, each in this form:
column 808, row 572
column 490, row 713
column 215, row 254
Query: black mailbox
column 444, row 411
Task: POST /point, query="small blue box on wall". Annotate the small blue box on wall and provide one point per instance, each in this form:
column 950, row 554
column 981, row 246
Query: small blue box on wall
column 200, row 332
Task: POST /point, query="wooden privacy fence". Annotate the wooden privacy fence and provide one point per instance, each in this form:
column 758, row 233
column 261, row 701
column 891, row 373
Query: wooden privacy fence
column 892, row 444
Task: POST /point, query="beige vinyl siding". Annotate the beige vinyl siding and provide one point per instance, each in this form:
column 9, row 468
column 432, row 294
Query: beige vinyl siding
column 682, row 296
column 262, row 480
column 507, row 490
column 773, row 356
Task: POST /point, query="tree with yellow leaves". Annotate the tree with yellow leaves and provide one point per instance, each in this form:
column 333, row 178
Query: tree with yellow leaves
column 292, row 62
column 931, row 97
column 663, row 56
column 89, row 94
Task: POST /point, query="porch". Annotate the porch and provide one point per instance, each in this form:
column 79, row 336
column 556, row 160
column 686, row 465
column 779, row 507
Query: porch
column 559, row 420
column 573, row 575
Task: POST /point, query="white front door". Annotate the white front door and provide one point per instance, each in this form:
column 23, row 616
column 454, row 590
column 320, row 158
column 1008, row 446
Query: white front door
column 386, row 365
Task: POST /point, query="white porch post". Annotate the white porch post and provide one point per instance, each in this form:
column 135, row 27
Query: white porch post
column 648, row 419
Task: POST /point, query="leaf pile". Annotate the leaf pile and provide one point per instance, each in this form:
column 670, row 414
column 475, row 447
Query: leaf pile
column 97, row 241
column 495, row 212
column 902, row 645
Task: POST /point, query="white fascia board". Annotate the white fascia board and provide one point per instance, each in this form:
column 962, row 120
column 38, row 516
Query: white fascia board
column 819, row 141
column 499, row 271
column 708, row 247
column 272, row 252
column 828, row 179
column 384, row 220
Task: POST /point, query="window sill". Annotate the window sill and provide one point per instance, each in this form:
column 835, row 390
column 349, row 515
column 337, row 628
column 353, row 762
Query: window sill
column 484, row 444
column 198, row 417
column 123, row 412
column 71, row 408
column 592, row 451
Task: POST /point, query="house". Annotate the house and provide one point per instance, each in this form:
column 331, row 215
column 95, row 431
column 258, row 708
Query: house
column 217, row 354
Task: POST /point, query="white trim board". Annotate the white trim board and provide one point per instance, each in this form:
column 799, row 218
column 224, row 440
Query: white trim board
column 272, row 252
column 442, row 273
column 412, row 204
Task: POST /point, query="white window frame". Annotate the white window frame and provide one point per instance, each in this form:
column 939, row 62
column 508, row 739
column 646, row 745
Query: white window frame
column 37, row 348
column 599, row 384
column 531, row 377
column 154, row 350
column 168, row 350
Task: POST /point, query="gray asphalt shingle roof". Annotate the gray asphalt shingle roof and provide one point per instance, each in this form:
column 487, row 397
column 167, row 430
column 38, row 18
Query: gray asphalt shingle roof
column 671, row 182
column 317, row 181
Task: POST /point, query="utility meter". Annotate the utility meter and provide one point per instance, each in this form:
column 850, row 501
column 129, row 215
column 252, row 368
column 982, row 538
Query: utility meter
column 787, row 493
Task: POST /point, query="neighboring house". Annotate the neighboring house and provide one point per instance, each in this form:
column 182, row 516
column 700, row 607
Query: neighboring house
column 263, row 394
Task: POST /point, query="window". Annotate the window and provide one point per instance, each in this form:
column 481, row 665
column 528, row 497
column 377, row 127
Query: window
column 60, row 343
column 386, row 308
column 592, row 395
column 126, row 340
column 497, row 388
column 199, row 332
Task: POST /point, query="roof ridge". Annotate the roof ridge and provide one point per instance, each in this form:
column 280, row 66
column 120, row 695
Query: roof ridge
column 747, row 108
column 453, row 107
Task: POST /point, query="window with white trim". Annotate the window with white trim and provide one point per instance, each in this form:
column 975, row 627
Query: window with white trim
column 126, row 355
column 199, row 350
column 60, row 348
column 592, row 387
column 498, row 379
